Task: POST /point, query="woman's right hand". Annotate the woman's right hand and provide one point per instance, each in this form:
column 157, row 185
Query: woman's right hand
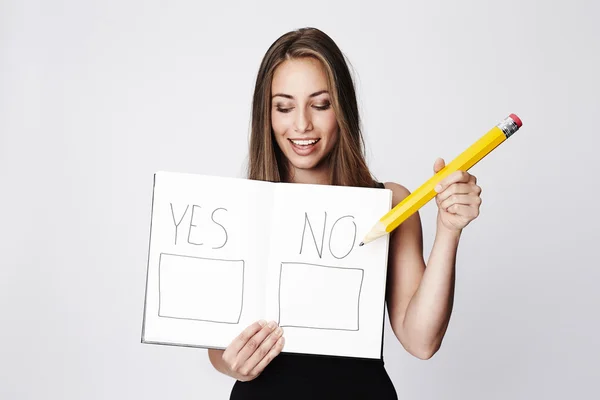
column 252, row 350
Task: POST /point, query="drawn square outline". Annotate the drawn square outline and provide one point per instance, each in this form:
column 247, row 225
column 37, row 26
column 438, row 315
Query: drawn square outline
column 205, row 259
column 362, row 272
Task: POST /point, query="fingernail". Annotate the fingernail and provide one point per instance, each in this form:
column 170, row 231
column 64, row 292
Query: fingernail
column 279, row 331
column 262, row 322
column 438, row 188
column 272, row 324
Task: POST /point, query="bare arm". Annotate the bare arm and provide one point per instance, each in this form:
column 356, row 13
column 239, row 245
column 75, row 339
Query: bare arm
column 420, row 297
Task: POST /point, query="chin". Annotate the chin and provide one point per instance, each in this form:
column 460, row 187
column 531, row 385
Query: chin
column 304, row 163
column 307, row 162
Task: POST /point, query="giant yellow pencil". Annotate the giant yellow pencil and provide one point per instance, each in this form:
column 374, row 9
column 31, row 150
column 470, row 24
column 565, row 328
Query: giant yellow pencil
column 426, row 191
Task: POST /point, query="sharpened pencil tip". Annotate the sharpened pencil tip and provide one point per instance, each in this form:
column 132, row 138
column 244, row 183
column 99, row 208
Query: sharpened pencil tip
column 361, row 243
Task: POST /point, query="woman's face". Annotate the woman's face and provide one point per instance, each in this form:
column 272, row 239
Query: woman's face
column 302, row 116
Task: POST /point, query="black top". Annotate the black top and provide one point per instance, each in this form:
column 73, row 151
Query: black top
column 305, row 376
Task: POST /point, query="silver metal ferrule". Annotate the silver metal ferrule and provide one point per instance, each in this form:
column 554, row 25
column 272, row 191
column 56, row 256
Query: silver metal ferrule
column 508, row 126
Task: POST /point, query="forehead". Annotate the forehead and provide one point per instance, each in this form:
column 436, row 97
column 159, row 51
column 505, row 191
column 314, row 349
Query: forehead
column 299, row 77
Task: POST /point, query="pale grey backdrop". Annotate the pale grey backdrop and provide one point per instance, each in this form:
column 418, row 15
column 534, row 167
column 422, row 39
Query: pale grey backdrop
column 96, row 96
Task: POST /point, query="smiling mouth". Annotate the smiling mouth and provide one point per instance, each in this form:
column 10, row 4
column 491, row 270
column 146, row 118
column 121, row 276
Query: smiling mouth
column 304, row 147
column 304, row 142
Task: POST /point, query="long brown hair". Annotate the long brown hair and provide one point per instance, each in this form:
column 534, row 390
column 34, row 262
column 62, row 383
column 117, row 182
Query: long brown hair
column 347, row 159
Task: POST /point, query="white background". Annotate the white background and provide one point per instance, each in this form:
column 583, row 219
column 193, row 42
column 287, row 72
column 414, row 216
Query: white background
column 97, row 96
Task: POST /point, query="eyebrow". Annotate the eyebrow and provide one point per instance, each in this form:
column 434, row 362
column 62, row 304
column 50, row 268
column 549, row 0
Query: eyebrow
column 287, row 96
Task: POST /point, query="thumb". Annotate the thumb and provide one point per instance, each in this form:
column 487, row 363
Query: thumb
column 438, row 165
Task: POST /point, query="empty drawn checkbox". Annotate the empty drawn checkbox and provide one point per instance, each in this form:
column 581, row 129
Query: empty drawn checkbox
column 306, row 298
column 203, row 289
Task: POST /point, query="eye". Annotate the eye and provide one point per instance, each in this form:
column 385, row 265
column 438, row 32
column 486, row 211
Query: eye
column 323, row 107
column 284, row 110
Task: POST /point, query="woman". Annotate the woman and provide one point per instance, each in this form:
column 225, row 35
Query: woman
column 306, row 129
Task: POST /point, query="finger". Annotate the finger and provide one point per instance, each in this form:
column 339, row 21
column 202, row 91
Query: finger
column 254, row 343
column 455, row 177
column 275, row 350
column 463, row 210
column 262, row 351
column 241, row 340
column 463, row 199
column 438, row 165
column 458, row 188
column 473, row 179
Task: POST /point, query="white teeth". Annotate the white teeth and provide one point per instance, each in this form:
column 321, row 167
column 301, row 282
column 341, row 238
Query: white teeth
column 304, row 142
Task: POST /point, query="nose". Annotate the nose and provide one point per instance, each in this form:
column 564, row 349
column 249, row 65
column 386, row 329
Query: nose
column 302, row 123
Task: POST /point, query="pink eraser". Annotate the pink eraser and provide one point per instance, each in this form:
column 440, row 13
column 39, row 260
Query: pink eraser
column 517, row 120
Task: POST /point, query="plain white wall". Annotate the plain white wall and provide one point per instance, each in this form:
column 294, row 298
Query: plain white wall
column 97, row 96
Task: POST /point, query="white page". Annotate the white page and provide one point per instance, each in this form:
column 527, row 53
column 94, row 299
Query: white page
column 206, row 268
column 326, row 292
column 338, row 312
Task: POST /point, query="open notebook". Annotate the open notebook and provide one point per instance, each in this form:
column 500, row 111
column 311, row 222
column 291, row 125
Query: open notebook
column 225, row 252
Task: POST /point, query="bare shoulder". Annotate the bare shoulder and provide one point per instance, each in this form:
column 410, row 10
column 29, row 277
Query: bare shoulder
column 399, row 192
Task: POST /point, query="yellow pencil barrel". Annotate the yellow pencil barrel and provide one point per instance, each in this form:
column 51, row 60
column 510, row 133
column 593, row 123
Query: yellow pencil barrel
column 467, row 159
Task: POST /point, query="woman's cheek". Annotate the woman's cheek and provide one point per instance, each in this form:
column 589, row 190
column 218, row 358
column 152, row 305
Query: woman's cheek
column 279, row 124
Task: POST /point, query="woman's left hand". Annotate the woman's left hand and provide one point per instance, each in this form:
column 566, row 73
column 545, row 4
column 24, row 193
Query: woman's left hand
column 458, row 198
